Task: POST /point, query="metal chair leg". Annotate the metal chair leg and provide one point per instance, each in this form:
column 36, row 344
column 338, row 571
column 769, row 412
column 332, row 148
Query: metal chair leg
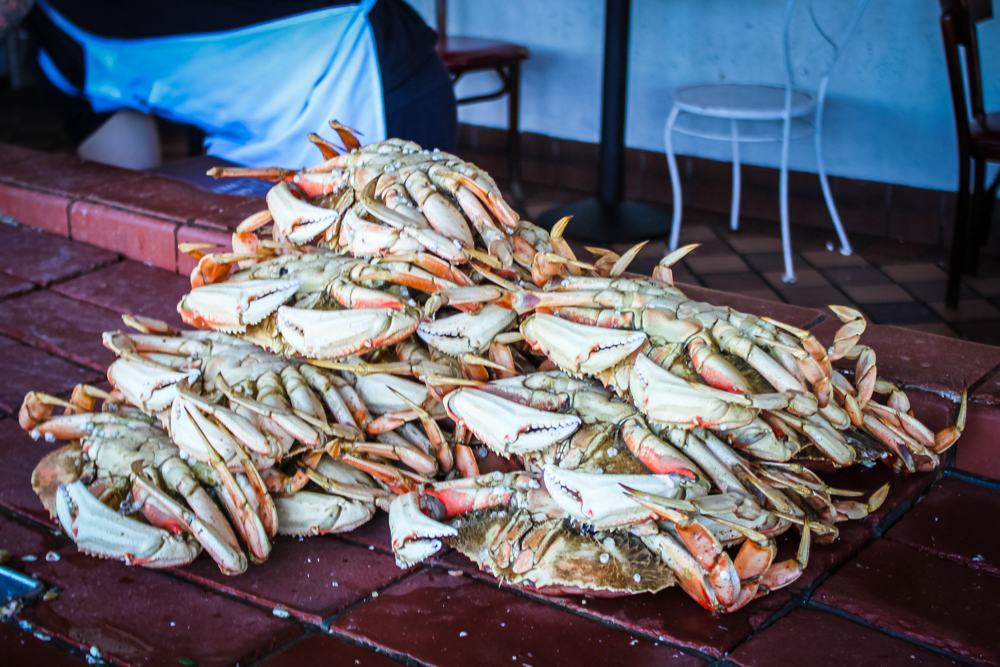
column 958, row 234
column 734, row 214
column 845, row 245
column 786, row 235
column 675, row 178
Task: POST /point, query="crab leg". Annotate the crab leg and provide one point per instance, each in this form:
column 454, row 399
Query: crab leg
column 217, row 539
column 659, row 456
column 346, row 489
column 331, row 396
column 247, row 521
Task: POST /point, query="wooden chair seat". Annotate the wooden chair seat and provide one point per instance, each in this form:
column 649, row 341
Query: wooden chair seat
column 461, row 54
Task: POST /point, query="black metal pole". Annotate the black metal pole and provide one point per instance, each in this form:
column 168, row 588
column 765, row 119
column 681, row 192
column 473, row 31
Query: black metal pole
column 608, row 218
column 611, row 159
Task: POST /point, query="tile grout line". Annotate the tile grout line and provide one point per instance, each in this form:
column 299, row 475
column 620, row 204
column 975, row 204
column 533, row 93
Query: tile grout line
column 973, row 478
column 177, row 255
column 34, row 524
column 69, row 219
column 54, row 352
column 57, row 643
column 57, row 356
column 803, row 599
column 608, row 623
column 327, row 623
column 785, row 610
column 314, row 631
column 989, row 375
column 291, row 643
column 936, row 554
column 893, row 517
column 820, row 606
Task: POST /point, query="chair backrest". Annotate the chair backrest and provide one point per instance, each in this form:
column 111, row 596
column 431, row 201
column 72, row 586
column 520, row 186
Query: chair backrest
column 808, row 23
column 958, row 29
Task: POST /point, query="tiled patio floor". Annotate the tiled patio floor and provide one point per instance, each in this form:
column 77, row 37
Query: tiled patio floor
column 889, row 281
column 900, row 587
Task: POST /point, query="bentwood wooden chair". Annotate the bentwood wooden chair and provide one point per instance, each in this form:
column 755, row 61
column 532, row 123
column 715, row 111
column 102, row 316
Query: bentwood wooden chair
column 978, row 137
column 462, row 55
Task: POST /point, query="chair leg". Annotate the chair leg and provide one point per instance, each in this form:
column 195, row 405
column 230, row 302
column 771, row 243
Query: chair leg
column 977, row 206
column 786, row 235
column 514, row 133
column 734, row 215
column 958, row 234
column 675, row 178
column 845, row 245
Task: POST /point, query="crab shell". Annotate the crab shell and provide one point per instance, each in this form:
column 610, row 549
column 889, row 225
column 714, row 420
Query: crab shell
column 557, row 559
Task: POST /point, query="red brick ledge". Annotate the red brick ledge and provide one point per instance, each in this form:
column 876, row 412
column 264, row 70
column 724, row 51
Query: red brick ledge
column 144, row 217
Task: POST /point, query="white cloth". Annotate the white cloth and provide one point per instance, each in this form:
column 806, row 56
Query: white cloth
column 255, row 91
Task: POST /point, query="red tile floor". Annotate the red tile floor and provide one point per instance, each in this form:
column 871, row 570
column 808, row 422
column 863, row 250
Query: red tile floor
column 918, row 582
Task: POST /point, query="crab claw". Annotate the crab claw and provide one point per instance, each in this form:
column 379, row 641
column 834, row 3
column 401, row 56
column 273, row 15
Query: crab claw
column 847, row 336
column 100, row 531
column 664, row 397
column 147, row 386
column 297, row 220
column 946, row 438
column 506, row 427
column 231, row 307
column 578, row 348
column 37, row 407
column 601, row 500
column 330, row 334
column 308, row 513
column 466, row 333
column 415, row 536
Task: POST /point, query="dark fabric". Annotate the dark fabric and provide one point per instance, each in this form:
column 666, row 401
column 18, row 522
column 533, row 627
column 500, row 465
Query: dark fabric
column 423, row 109
column 410, row 68
column 403, row 41
column 135, row 19
column 76, row 113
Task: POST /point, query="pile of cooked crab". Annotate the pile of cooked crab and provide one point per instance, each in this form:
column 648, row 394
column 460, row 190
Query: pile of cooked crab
column 389, row 334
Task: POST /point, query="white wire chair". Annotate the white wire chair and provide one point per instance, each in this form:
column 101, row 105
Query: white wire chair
column 751, row 111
